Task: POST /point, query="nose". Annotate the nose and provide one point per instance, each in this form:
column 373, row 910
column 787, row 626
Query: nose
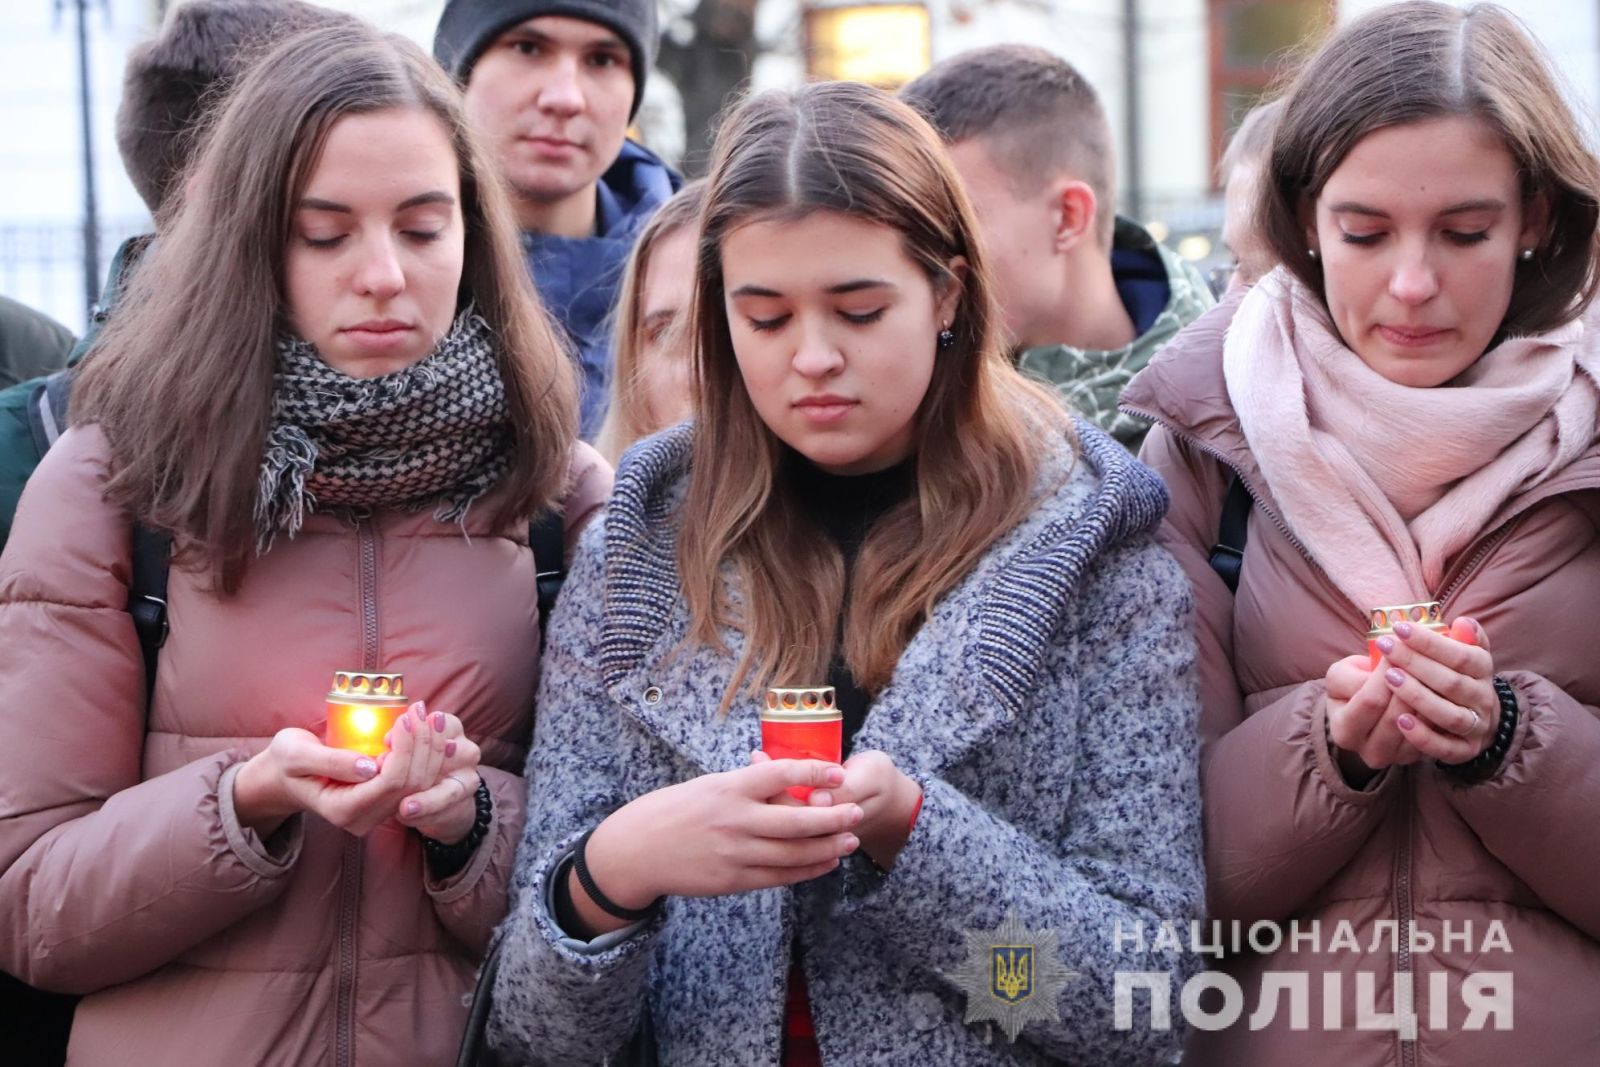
column 816, row 356
column 561, row 93
column 1413, row 280
column 379, row 274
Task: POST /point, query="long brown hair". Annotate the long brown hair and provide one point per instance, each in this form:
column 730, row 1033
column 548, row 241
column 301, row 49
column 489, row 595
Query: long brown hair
column 1421, row 60
column 857, row 151
column 628, row 413
column 181, row 381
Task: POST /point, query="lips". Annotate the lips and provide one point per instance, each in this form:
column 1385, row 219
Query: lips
column 825, row 408
column 379, row 333
column 1411, row 336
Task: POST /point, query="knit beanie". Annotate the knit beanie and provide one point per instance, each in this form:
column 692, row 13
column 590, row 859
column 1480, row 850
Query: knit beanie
column 467, row 27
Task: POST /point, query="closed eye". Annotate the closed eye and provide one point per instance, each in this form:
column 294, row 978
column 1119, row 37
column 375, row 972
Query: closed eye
column 768, row 325
column 865, row 318
column 1465, row 239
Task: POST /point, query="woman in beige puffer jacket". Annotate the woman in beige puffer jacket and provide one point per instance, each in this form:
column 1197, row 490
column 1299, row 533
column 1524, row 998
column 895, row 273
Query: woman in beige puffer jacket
column 1401, row 854
column 353, row 495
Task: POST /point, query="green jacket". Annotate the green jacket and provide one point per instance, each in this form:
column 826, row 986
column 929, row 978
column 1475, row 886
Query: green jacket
column 1091, row 381
column 19, row 453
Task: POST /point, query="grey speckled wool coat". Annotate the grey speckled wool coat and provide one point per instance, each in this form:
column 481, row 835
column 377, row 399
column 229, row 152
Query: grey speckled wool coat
column 1047, row 708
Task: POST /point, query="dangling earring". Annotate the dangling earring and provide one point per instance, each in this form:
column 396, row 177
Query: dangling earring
column 946, row 338
column 1526, row 255
column 1312, row 252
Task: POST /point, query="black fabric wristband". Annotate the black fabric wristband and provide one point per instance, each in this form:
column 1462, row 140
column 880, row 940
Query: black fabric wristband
column 1483, row 766
column 601, row 901
column 447, row 861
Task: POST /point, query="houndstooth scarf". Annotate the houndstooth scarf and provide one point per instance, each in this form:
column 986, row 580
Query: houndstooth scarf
column 435, row 433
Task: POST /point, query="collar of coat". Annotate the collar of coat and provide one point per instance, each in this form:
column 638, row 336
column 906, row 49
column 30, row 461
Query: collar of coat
column 972, row 668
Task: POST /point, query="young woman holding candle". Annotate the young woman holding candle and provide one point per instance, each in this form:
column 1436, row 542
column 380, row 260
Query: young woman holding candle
column 331, row 383
column 1412, row 403
column 869, row 495
column 650, row 375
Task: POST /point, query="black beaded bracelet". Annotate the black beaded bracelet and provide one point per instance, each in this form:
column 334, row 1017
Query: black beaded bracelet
column 446, row 861
column 1484, row 764
column 604, row 903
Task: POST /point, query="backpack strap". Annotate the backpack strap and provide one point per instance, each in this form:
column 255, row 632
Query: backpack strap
column 47, row 410
column 547, row 536
column 147, row 597
column 1227, row 555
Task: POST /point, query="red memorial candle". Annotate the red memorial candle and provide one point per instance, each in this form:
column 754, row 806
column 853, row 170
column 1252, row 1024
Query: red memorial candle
column 362, row 709
column 1383, row 620
column 803, row 723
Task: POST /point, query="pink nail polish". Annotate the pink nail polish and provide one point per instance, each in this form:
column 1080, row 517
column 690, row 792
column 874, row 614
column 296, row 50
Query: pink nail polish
column 1407, row 722
column 412, row 807
column 1386, row 645
column 366, row 768
column 421, row 710
column 438, row 722
column 406, row 722
column 1402, row 630
column 449, row 749
column 1394, row 677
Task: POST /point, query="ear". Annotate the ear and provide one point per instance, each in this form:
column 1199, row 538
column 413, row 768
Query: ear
column 1308, row 223
column 948, row 290
column 1075, row 207
column 1535, row 222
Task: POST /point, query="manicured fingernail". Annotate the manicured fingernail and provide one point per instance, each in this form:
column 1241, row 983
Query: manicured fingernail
column 449, row 749
column 1386, row 645
column 1403, row 630
column 438, row 722
column 366, row 768
column 422, row 712
column 1394, row 677
column 406, row 722
column 1407, row 722
column 835, row 776
column 412, row 807
column 856, row 814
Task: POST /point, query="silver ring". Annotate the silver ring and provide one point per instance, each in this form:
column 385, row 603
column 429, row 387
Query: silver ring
column 467, row 790
column 1476, row 721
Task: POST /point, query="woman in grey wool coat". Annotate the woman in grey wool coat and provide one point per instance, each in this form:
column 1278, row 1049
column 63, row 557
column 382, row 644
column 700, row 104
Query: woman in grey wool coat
column 871, row 496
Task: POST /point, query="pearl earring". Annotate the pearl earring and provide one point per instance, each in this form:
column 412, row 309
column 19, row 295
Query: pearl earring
column 1526, row 255
column 1312, row 252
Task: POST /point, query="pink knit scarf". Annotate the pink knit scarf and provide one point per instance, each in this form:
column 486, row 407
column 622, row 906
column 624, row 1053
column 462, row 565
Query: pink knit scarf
column 1383, row 483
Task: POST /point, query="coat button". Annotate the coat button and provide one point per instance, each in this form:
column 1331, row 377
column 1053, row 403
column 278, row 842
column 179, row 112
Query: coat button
column 652, row 695
column 924, row 1011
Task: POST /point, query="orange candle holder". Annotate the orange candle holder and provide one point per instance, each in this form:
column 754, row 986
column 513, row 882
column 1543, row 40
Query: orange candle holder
column 1382, row 621
column 362, row 709
column 802, row 723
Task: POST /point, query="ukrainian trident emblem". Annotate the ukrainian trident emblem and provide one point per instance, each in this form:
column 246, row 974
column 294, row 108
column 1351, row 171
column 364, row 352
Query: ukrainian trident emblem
column 1012, row 976
column 1013, row 972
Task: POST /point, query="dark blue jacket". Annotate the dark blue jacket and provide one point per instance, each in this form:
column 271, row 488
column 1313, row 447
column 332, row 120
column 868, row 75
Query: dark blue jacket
column 578, row 277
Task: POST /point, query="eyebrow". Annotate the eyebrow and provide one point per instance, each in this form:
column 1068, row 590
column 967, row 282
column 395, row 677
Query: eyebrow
column 437, row 196
column 527, row 33
column 1351, row 207
column 833, row 290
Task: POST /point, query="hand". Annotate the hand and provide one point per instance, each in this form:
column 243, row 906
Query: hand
column 887, row 799
column 1363, row 721
column 714, row 835
column 1448, row 682
column 443, row 758
column 296, row 772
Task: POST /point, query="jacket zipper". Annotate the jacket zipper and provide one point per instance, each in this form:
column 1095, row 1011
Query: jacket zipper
column 350, row 889
column 1402, row 895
